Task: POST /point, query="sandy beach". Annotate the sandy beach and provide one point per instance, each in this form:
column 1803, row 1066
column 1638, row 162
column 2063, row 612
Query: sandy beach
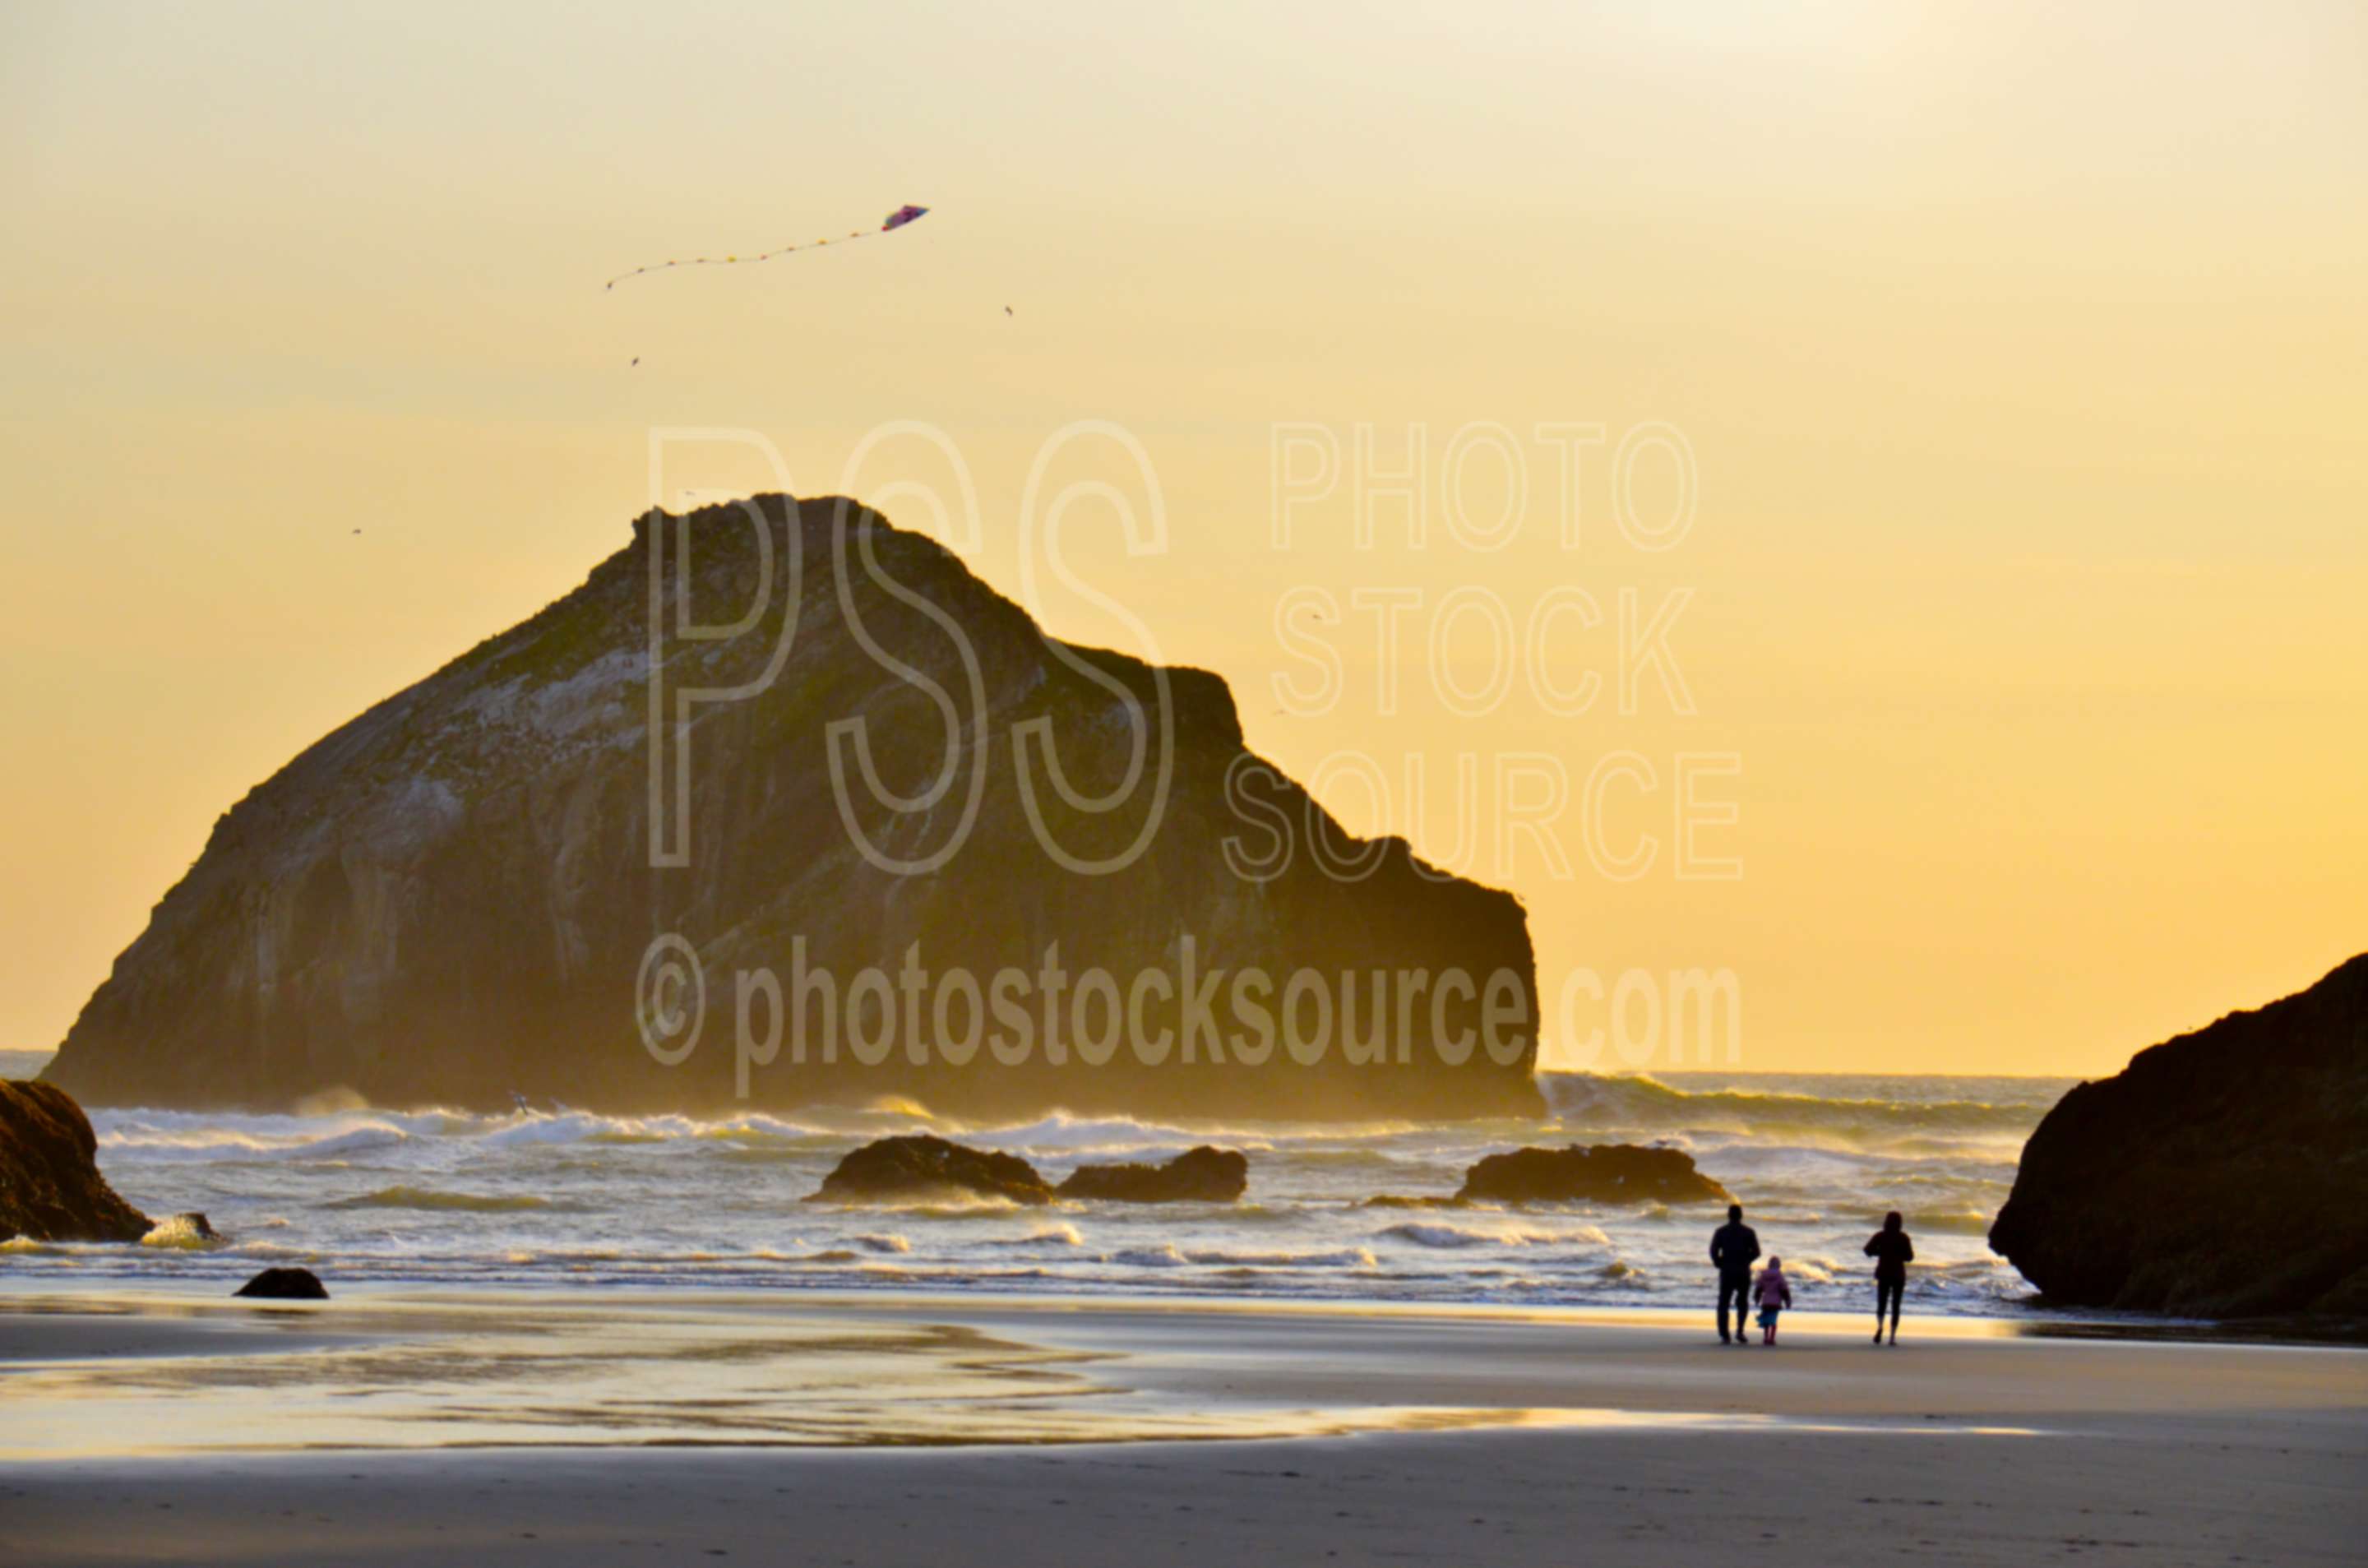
column 633, row 1427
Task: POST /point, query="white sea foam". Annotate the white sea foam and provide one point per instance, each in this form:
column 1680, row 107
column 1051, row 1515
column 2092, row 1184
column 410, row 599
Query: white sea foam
column 1062, row 1135
column 1432, row 1233
column 1441, row 1235
column 558, row 1193
column 233, row 1143
column 181, row 1232
column 26, row 1246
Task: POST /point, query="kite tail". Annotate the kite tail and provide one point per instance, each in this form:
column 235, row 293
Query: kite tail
column 739, row 260
column 896, row 221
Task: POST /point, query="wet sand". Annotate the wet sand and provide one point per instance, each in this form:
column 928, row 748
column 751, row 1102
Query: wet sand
column 567, row 1428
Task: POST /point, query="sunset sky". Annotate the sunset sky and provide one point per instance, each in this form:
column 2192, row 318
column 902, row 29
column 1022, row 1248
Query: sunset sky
column 2022, row 351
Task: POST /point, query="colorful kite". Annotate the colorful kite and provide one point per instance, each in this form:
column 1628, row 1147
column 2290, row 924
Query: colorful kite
column 896, row 220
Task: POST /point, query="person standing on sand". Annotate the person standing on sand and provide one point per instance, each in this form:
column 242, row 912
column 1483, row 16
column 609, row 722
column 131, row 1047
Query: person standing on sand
column 1892, row 1252
column 1775, row 1293
column 1735, row 1247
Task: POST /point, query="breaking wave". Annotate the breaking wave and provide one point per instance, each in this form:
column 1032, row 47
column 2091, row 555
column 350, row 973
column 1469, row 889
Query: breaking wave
column 1444, row 1235
column 181, row 1230
column 2011, row 1108
column 556, row 1196
column 1043, row 1236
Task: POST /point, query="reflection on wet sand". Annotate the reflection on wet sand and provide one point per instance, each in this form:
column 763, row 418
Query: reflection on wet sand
column 443, row 1375
column 119, row 1377
column 112, row 1379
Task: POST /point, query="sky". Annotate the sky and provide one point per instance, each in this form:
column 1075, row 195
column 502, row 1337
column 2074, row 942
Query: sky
column 1967, row 399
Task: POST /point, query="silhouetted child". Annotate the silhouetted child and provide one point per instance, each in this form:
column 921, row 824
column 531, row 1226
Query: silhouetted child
column 1775, row 1294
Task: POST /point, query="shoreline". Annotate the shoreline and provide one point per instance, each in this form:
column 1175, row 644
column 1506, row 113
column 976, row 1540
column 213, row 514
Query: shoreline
column 34, row 1293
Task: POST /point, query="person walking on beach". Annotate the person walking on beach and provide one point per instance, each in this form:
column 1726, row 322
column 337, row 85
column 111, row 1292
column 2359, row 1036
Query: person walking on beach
column 1892, row 1252
column 1734, row 1247
column 1775, row 1293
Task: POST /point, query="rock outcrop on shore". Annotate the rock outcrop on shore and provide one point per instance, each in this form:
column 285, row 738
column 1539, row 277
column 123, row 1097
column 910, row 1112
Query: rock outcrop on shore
column 1205, row 1174
column 50, row 1188
column 449, row 900
column 2222, row 1174
column 920, row 1168
column 1601, row 1173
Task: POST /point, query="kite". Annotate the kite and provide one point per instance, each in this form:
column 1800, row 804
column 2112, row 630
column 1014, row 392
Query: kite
column 896, row 220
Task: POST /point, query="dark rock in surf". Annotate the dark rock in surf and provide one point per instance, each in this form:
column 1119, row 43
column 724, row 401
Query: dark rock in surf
column 1605, row 1173
column 1197, row 1176
column 50, row 1188
column 285, row 1285
column 920, row 1169
column 2222, row 1174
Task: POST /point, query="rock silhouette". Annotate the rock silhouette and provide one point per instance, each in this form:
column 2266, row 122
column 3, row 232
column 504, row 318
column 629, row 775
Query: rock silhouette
column 1604, row 1173
column 920, row 1168
column 450, row 899
column 1205, row 1174
column 285, row 1285
column 2222, row 1174
column 50, row 1188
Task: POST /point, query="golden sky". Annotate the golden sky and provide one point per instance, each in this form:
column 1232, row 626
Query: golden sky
column 2022, row 351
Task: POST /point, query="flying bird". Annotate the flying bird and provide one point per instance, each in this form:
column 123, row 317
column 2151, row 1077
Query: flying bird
column 896, row 220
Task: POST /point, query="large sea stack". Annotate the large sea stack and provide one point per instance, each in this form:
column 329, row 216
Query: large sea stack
column 2222, row 1174
column 451, row 899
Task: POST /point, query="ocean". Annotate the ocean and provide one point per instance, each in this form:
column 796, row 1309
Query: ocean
column 564, row 1197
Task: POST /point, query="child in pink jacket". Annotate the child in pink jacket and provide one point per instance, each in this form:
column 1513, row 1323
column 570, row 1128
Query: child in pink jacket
column 1775, row 1293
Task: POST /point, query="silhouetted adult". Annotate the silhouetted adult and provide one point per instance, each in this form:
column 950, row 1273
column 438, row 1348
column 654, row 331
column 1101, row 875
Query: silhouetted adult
column 1734, row 1247
column 1892, row 1252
